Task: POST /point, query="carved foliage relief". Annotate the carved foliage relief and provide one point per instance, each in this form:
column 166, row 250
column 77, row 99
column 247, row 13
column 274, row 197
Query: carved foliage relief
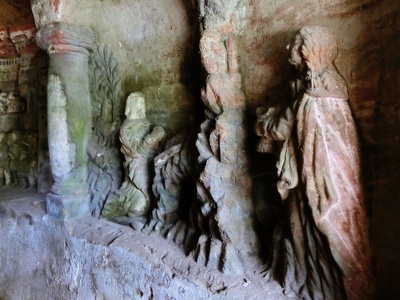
column 104, row 161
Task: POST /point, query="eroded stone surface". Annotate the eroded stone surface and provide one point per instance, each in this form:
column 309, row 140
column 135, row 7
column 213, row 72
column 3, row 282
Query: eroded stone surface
column 42, row 258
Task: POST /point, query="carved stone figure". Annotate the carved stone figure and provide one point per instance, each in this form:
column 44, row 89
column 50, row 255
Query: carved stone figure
column 5, row 175
column 3, row 103
column 22, row 154
column 320, row 248
column 15, row 103
column 16, row 153
column 139, row 145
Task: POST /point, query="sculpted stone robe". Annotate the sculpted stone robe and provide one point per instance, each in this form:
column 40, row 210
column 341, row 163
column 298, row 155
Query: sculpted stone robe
column 330, row 176
column 323, row 235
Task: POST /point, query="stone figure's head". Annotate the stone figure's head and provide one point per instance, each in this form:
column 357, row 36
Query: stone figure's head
column 135, row 106
column 312, row 53
column 314, row 47
column 3, row 33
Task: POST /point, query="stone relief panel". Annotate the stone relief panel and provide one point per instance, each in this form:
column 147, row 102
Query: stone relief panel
column 144, row 174
column 104, row 158
column 207, row 208
column 23, row 80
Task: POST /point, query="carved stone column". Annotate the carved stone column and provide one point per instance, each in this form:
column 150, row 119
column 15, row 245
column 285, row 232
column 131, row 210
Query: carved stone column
column 69, row 115
column 228, row 241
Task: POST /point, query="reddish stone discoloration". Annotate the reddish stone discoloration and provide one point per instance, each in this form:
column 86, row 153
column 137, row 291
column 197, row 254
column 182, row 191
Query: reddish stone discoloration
column 319, row 177
column 56, row 5
column 331, row 176
column 224, row 186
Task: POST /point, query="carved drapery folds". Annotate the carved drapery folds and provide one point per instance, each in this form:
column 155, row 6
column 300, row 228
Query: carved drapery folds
column 320, row 248
column 69, row 115
column 139, row 144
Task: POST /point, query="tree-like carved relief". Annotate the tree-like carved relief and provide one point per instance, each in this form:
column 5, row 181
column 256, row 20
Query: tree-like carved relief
column 104, row 162
column 228, row 241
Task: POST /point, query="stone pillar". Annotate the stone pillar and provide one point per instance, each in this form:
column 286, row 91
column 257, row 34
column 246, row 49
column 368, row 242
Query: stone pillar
column 228, row 241
column 69, row 116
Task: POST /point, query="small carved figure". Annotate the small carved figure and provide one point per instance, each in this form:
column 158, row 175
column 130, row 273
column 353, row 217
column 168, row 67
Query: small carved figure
column 320, row 248
column 14, row 103
column 139, row 145
column 3, row 103
column 5, row 175
column 23, row 158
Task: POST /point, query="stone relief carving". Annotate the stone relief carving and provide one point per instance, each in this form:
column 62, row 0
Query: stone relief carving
column 173, row 187
column 11, row 102
column 139, row 144
column 20, row 158
column 5, row 173
column 228, row 241
column 104, row 162
column 320, row 248
column 19, row 73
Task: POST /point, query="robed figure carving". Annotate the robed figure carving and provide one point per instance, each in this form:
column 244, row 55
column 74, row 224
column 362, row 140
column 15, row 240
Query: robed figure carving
column 139, row 144
column 320, row 248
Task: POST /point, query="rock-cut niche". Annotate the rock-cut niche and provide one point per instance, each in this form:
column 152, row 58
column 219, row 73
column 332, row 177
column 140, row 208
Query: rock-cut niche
column 24, row 161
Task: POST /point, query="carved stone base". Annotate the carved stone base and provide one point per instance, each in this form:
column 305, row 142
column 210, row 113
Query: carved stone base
column 68, row 207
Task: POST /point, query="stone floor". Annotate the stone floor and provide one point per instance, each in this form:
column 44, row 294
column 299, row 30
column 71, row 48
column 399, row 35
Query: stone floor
column 42, row 257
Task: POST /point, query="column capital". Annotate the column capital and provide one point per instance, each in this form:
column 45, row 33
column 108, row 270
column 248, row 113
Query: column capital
column 59, row 37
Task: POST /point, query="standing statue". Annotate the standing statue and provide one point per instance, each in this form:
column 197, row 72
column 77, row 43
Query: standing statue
column 320, row 248
column 139, row 145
